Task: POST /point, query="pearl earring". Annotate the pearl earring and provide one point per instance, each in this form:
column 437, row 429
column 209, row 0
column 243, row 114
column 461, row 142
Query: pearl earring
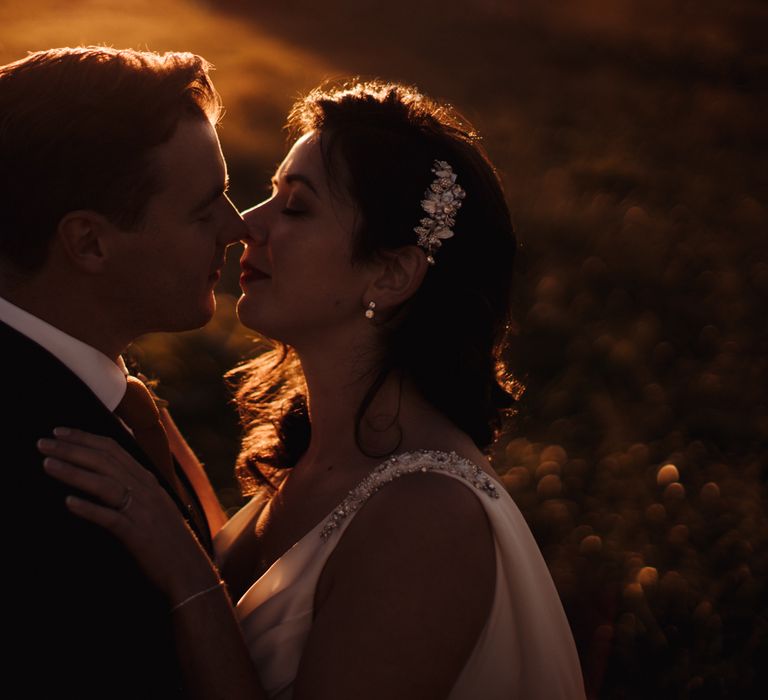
column 369, row 312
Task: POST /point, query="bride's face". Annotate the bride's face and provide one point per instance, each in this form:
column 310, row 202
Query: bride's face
column 298, row 282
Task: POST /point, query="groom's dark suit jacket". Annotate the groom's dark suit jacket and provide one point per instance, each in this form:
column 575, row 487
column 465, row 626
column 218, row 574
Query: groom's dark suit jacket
column 82, row 621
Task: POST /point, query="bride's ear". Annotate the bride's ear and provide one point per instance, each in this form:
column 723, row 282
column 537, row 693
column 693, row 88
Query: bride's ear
column 399, row 273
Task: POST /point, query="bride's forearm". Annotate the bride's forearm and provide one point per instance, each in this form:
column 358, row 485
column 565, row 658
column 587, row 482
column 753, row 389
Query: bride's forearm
column 214, row 657
column 213, row 654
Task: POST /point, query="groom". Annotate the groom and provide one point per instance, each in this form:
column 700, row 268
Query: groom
column 113, row 224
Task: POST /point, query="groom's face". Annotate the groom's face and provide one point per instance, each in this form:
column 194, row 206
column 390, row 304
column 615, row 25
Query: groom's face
column 165, row 272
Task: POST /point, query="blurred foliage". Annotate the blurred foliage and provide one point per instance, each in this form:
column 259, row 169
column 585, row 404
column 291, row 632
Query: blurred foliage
column 630, row 138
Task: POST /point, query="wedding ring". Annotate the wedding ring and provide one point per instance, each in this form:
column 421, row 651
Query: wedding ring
column 127, row 498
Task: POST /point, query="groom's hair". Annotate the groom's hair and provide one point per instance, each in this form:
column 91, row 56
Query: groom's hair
column 77, row 130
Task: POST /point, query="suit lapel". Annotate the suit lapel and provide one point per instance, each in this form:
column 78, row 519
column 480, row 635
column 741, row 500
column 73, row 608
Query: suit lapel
column 54, row 379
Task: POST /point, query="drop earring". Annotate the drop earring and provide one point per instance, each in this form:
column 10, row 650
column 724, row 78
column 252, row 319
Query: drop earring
column 369, row 312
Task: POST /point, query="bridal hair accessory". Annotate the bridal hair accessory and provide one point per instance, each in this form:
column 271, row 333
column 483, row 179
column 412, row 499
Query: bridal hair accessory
column 442, row 200
column 369, row 312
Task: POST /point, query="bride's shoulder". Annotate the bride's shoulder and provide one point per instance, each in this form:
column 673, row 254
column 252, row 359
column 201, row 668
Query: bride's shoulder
column 420, row 499
column 391, row 472
column 408, row 511
column 424, row 545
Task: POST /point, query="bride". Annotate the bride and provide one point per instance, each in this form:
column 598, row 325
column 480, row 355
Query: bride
column 380, row 557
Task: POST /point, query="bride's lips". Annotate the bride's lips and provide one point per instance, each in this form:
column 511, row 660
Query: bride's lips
column 251, row 273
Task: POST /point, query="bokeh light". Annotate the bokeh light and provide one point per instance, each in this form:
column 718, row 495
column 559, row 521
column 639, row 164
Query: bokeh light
column 630, row 140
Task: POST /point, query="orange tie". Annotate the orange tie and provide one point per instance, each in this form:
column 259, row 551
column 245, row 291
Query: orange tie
column 140, row 413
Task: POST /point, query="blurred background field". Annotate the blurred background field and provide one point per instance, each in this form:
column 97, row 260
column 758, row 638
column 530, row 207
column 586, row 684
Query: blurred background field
column 630, row 136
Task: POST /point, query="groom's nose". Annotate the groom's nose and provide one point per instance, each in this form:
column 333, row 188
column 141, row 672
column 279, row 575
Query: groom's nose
column 235, row 228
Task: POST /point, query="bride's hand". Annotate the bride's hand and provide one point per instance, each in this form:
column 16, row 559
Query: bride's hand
column 133, row 506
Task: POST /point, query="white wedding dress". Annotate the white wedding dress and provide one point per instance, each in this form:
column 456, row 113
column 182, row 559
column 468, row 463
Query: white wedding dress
column 525, row 650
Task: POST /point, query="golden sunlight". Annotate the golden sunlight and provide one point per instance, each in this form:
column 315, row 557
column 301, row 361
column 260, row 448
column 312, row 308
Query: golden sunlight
column 256, row 74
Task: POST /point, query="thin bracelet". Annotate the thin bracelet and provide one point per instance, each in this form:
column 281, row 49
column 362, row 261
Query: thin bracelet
column 195, row 595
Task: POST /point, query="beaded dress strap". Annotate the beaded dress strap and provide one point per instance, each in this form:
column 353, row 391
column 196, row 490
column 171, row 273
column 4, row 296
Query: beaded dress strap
column 407, row 463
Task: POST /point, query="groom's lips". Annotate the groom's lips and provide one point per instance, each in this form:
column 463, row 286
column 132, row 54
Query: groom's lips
column 215, row 276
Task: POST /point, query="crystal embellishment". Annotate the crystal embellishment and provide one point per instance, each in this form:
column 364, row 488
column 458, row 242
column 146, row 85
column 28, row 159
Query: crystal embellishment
column 441, row 202
column 407, row 463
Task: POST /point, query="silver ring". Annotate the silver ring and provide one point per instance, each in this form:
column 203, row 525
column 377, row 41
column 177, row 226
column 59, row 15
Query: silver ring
column 127, row 498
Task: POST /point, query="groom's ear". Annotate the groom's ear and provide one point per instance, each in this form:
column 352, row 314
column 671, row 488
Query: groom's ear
column 399, row 273
column 82, row 237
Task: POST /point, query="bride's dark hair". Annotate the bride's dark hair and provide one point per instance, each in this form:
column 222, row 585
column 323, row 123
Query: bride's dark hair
column 379, row 143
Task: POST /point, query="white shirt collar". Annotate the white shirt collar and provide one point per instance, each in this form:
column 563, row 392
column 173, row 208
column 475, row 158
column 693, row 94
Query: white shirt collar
column 102, row 376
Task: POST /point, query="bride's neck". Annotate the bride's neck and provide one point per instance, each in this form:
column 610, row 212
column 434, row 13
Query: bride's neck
column 336, row 392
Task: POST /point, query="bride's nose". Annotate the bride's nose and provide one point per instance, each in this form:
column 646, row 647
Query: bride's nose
column 255, row 225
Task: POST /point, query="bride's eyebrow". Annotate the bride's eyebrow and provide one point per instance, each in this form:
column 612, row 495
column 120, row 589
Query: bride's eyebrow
column 297, row 177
